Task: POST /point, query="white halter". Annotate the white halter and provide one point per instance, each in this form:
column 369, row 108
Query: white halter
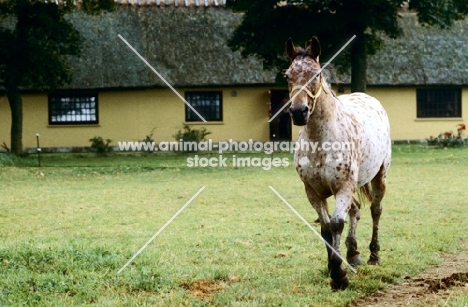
column 309, row 93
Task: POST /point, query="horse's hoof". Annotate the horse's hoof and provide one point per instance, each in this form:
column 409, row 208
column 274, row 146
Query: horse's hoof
column 374, row 260
column 340, row 284
column 355, row 261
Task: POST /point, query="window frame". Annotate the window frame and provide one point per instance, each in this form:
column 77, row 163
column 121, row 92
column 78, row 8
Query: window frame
column 218, row 114
column 51, row 109
column 438, row 106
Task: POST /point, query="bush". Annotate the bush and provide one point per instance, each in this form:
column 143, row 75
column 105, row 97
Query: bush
column 149, row 139
column 449, row 139
column 191, row 135
column 446, row 140
column 187, row 134
column 101, row 147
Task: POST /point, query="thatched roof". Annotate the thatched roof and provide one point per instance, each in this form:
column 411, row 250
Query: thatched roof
column 186, row 42
column 423, row 55
column 176, row 3
column 159, row 3
column 186, row 46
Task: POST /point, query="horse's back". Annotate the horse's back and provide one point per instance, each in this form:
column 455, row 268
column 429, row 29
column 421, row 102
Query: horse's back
column 373, row 132
column 364, row 106
column 367, row 112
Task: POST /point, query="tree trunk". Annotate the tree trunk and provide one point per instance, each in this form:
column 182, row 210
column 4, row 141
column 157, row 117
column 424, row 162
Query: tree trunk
column 358, row 64
column 16, row 106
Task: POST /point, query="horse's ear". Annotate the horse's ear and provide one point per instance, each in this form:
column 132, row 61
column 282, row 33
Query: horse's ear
column 290, row 49
column 314, row 48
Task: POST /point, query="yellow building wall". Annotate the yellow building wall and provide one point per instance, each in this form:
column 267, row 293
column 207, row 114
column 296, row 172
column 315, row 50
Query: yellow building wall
column 34, row 118
column 400, row 104
column 132, row 115
column 5, row 120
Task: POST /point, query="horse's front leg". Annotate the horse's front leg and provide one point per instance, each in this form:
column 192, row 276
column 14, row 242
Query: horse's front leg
column 339, row 278
column 321, row 207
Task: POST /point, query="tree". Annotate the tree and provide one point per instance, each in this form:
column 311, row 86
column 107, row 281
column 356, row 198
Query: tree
column 36, row 41
column 267, row 24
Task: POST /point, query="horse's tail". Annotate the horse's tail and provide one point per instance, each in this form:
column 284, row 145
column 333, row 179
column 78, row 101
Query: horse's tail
column 364, row 194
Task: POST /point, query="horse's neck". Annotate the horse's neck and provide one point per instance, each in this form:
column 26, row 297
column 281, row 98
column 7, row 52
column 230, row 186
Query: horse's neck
column 322, row 125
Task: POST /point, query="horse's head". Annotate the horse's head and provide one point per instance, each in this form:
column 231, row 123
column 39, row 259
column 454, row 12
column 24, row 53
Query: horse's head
column 304, row 66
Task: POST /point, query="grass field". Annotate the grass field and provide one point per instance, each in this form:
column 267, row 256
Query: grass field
column 67, row 227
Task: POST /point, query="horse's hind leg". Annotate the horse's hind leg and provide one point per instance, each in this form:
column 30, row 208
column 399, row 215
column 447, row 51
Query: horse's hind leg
column 378, row 191
column 353, row 256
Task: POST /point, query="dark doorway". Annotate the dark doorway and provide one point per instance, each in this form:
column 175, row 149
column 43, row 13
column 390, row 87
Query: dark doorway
column 280, row 127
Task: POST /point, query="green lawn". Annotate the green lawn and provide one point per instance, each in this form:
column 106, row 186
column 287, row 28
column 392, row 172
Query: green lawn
column 67, row 227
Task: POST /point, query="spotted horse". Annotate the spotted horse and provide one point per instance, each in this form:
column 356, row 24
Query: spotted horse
column 356, row 129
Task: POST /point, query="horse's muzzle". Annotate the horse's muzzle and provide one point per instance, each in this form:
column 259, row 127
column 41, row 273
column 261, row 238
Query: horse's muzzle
column 299, row 114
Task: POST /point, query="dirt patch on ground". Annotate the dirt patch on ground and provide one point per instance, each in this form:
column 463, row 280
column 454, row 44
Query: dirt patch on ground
column 203, row 288
column 432, row 288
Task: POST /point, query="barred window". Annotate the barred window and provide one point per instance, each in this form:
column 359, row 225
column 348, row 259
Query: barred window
column 438, row 102
column 208, row 104
column 73, row 109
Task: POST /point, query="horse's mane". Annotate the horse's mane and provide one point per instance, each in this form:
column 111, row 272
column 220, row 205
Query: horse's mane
column 329, row 74
column 303, row 53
